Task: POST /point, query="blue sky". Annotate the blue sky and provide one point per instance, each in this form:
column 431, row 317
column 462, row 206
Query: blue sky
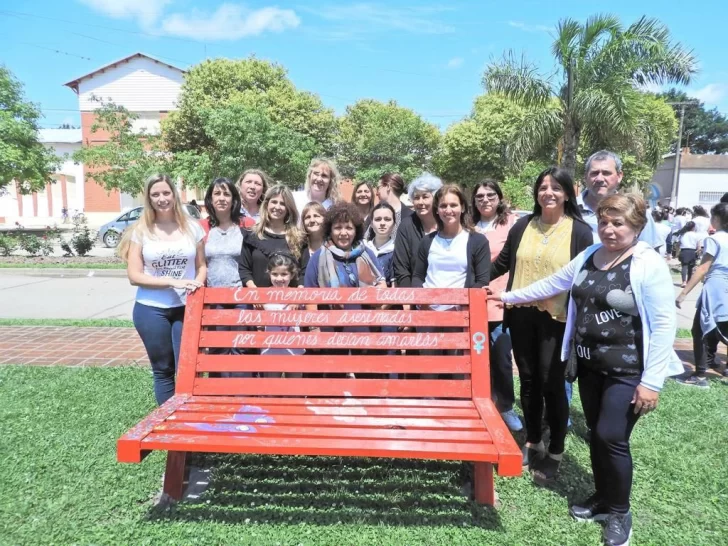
column 427, row 56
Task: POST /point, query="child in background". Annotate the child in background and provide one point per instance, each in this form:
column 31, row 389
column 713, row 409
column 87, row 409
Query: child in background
column 690, row 241
column 282, row 268
column 381, row 240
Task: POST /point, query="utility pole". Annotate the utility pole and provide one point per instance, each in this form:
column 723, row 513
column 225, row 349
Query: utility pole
column 678, row 151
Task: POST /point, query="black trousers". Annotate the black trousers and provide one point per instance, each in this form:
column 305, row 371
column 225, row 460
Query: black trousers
column 536, row 339
column 501, row 367
column 687, row 259
column 705, row 346
column 609, row 413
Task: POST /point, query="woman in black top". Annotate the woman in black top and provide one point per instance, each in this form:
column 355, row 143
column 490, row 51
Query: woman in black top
column 277, row 231
column 421, row 191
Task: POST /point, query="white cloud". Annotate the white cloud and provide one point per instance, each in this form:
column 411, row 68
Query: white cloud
column 712, row 94
column 229, row 22
column 455, row 62
column 520, row 25
column 146, row 12
column 368, row 18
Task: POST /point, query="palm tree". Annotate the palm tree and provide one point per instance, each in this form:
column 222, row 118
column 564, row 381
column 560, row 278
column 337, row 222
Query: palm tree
column 602, row 66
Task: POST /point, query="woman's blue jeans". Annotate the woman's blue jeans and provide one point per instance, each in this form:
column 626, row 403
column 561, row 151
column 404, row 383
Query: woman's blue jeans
column 161, row 331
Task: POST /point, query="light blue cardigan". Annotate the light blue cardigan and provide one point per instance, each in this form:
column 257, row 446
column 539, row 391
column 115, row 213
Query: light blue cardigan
column 654, row 294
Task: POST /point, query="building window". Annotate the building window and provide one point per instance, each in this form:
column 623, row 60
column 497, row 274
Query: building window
column 709, row 197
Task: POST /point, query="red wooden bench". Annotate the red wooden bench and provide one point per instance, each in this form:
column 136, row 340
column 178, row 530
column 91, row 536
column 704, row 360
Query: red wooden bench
column 449, row 417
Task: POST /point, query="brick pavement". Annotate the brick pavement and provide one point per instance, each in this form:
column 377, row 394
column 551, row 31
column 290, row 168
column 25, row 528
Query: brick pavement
column 71, row 346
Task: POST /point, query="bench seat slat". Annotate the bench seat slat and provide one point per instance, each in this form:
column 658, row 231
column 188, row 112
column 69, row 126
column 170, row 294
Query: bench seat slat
column 328, row 420
column 403, row 388
column 315, row 446
column 331, row 432
column 335, row 340
column 293, row 401
column 340, row 296
column 352, row 409
column 332, row 364
column 357, row 317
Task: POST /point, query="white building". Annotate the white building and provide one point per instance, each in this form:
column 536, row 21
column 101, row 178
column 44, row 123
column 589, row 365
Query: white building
column 703, row 179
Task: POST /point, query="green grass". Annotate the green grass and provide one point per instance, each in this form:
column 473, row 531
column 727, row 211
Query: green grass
column 8, row 265
column 683, row 333
column 79, row 323
column 61, row 484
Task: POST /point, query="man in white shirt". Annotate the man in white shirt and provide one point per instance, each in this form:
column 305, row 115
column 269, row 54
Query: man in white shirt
column 602, row 177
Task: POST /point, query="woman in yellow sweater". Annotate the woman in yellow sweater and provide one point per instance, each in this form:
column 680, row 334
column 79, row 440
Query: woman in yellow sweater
column 537, row 246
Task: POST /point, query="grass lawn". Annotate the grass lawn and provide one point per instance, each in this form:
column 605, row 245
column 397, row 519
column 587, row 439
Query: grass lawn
column 61, row 484
column 78, row 323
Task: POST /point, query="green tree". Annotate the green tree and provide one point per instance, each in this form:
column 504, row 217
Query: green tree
column 376, row 137
column 704, row 131
column 251, row 83
column 239, row 137
column 22, row 156
column 518, row 186
column 476, row 147
column 601, row 65
column 128, row 157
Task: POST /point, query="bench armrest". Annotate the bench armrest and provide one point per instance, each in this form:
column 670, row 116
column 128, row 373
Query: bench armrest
column 509, row 455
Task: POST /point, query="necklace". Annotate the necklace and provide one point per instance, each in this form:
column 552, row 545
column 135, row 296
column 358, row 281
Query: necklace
column 546, row 235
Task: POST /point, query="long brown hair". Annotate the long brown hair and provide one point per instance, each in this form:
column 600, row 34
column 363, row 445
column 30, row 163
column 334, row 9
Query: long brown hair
column 454, row 189
column 145, row 225
column 501, row 211
column 294, row 237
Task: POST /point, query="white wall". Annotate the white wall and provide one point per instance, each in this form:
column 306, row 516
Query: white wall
column 694, row 181
column 140, row 85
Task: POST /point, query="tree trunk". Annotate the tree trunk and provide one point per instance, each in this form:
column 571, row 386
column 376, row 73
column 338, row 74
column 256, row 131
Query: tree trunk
column 571, row 144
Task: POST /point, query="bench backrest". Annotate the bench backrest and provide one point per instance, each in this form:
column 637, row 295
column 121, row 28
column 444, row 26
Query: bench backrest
column 449, row 348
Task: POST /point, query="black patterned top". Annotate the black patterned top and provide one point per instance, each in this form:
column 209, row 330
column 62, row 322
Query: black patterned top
column 608, row 335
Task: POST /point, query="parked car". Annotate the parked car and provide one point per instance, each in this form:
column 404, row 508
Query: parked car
column 111, row 232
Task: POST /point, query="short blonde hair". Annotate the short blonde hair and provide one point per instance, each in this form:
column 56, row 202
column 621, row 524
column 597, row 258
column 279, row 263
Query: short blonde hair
column 629, row 206
column 333, row 190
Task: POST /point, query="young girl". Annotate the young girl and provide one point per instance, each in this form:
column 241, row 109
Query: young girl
column 690, row 240
column 381, row 240
column 282, row 269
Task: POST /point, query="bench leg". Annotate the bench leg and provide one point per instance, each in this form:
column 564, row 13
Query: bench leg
column 483, row 485
column 174, row 475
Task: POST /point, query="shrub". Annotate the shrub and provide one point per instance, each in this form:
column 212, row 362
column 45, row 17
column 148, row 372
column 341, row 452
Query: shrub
column 67, row 249
column 82, row 241
column 30, row 243
column 46, row 246
column 8, row 244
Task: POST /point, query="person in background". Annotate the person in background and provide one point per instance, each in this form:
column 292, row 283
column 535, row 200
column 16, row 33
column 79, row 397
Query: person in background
column 537, row 246
column 381, row 241
column 313, row 226
column 724, row 199
column 389, row 190
column 253, row 184
column 603, row 176
column 322, row 184
column 678, row 222
column 663, row 231
column 277, row 231
column 493, row 219
column 363, row 198
column 623, row 330
column 711, row 315
column 165, row 255
column 194, row 204
column 421, row 191
column 702, row 221
column 690, row 243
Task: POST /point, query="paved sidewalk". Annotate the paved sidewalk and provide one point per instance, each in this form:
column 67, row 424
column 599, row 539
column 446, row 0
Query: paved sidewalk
column 71, row 346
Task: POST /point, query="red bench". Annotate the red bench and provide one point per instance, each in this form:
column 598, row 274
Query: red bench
column 450, row 416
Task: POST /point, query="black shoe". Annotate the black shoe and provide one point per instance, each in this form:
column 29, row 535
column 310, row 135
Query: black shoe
column 530, row 456
column 545, row 470
column 592, row 509
column 617, row 530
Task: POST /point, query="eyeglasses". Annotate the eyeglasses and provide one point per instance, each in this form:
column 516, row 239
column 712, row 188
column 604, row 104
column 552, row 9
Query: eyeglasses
column 480, row 197
column 353, row 281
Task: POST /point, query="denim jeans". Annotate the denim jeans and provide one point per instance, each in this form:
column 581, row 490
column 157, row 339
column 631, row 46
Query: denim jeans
column 501, row 367
column 161, row 331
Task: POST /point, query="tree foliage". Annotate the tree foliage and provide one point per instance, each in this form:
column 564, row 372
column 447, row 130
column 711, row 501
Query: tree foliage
column 377, row 137
column 252, row 84
column 22, row 156
column 602, row 64
column 128, row 157
column 704, row 131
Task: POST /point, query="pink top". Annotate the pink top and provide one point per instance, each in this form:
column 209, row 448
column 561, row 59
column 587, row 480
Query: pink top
column 497, row 239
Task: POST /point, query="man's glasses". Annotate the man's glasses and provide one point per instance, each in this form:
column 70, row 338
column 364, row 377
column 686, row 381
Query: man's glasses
column 480, row 197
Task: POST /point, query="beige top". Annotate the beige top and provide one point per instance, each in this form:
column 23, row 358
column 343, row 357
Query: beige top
column 544, row 250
